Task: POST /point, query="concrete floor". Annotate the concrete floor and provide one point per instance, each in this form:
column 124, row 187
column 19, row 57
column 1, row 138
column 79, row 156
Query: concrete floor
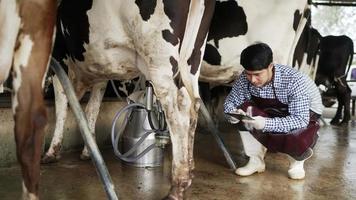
column 330, row 174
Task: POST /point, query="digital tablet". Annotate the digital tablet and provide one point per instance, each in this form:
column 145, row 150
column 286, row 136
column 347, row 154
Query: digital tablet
column 240, row 116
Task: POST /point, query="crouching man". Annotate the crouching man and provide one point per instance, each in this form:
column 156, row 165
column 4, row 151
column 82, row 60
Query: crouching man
column 285, row 106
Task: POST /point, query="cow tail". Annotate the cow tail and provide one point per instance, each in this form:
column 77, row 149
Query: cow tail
column 351, row 56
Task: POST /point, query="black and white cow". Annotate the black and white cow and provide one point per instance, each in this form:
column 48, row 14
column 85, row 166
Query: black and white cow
column 121, row 39
column 239, row 23
column 306, row 52
column 235, row 25
column 336, row 54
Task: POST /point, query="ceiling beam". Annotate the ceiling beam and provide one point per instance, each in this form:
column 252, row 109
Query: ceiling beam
column 332, row 3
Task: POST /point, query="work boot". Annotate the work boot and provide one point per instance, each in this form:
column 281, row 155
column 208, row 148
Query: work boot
column 255, row 164
column 256, row 151
column 296, row 168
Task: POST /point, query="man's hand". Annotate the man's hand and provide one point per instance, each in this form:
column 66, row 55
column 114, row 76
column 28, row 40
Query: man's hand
column 258, row 123
column 232, row 119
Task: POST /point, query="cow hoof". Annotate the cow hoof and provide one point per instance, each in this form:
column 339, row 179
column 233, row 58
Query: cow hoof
column 84, row 157
column 175, row 194
column 170, row 197
column 46, row 159
column 192, row 176
column 334, row 122
column 344, row 123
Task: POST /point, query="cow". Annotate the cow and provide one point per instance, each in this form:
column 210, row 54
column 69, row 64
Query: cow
column 164, row 40
column 230, row 20
column 335, row 59
column 305, row 55
column 239, row 23
column 308, row 50
column 26, row 37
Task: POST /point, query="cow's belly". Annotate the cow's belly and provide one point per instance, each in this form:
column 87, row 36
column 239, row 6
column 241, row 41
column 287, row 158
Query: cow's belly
column 130, row 45
column 117, row 63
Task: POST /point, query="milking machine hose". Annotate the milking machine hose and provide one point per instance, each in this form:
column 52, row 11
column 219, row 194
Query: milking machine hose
column 115, row 137
column 161, row 127
column 84, row 130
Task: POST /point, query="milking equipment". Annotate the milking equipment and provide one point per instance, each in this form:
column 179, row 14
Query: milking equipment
column 143, row 133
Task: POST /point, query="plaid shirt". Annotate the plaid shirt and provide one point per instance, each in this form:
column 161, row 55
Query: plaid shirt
column 290, row 88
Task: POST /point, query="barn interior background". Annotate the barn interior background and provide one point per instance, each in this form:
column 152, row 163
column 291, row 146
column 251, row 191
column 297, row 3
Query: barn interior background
column 337, row 18
column 329, row 17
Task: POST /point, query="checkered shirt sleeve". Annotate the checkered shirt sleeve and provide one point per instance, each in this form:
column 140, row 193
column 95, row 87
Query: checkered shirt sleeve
column 290, row 89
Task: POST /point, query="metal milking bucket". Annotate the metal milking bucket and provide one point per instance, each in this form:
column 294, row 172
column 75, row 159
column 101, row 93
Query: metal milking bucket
column 143, row 135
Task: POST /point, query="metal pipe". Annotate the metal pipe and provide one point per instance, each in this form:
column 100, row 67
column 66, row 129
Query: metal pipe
column 84, row 130
column 216, row 135
column 333, row 4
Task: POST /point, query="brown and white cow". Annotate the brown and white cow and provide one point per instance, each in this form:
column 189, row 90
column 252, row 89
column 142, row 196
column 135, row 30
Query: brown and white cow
column 26, row 35
column 122, row 39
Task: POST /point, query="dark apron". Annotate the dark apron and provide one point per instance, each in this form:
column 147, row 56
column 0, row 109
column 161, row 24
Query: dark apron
column 295, row 143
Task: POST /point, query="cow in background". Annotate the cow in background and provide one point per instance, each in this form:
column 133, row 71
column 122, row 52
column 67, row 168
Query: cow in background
column 163, row 40
column 305, row 56
column 239, row 23
column 336, row 54
column 307, row 52
column 26, row 34
column 327, row 61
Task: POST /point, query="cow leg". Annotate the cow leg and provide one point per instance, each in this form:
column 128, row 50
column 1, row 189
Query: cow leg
column 193, row 124
column 347, row 115
column 30, row 63
column 92, row 111
column 61, row 103
column 30, row 121
column 344, row 92
column 30, row 116
column 337, row 117
column 177, row 107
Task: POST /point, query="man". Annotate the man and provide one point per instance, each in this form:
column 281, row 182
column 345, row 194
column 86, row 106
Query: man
column 285, row 106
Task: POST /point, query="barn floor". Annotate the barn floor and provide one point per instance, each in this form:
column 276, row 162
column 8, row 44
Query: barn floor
column 330, row 174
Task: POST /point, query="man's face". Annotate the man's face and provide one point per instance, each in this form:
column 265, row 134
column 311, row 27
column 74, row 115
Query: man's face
column 260, row 78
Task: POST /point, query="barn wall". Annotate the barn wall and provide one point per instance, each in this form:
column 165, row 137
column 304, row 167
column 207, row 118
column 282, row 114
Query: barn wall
column 72, row 138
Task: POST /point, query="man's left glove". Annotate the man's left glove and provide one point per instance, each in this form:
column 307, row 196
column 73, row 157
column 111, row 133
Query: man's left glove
column 258, row 123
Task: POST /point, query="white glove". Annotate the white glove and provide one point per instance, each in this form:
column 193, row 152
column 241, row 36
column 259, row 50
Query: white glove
column 248, row 113
column 258, row 123
column 232, row 119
